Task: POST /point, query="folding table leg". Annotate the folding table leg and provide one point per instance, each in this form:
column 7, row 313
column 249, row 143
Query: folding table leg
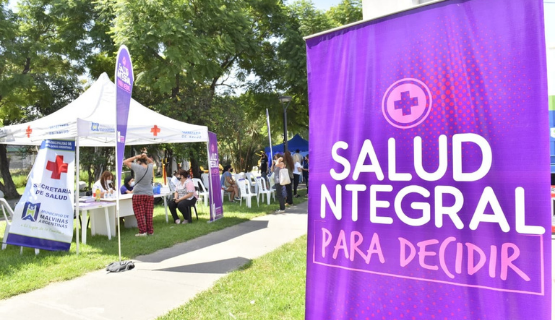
column 166, row 208
column 107, row 223
column 84, row 228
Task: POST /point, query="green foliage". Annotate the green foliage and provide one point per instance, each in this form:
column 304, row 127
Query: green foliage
column 240, row 135
column 27, row 272
column 184, row 53
column 95, row 160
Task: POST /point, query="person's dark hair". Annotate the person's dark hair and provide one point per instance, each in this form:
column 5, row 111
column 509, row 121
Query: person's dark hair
column 226, row 168
column 106, row 175
column 306, row 156
column 297, row 151
column 278, row 155
column 142, row 161
column 126, row 181
column 288, row 160
column 183, row 173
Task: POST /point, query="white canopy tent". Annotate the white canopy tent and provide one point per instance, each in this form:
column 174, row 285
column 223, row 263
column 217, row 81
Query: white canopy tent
column 91, row 117
column 90, row 120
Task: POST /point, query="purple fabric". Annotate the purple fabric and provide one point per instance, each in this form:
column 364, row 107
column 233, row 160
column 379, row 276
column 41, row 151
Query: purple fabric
column 461, row 69
column 216, row 209
column 124, row 87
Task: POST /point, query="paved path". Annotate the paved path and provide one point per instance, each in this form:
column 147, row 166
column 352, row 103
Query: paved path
column 160, row 281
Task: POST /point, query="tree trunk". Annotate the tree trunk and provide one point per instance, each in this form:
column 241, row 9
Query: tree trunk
column 8, row 187
column 195, row 167
column 169, row 163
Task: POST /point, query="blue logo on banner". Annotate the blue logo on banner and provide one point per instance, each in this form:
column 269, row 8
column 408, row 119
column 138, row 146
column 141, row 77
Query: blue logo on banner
column 94, row 126
column 31, row 211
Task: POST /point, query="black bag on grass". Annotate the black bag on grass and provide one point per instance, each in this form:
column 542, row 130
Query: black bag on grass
column 120, row 266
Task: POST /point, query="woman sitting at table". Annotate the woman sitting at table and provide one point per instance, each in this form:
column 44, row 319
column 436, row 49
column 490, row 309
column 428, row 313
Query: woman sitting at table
column 185, row 197
column 128, row 184
column 104, row 184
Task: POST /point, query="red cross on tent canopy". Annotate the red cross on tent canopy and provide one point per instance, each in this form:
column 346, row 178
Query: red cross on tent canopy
column 155, row 130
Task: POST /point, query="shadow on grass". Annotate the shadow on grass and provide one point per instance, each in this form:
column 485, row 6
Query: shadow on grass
column 27, row 272
column 99, row 250
column 215, row 267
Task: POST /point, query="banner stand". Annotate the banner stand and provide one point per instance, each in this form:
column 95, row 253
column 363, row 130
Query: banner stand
column 216, row 201
column 77, row 194
column 210, row 198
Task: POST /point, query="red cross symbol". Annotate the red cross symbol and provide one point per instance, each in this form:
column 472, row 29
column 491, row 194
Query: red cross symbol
column 28, row 131
column 57, row 167
column 155, row 130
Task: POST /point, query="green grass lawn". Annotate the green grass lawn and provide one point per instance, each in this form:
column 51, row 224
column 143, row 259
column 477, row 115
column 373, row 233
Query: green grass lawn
column 27, row 272
column 271, row 287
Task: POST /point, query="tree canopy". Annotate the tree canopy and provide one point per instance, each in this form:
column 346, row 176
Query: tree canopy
column 218, row 63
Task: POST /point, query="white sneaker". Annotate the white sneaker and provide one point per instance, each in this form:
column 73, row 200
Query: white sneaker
column 280, row 211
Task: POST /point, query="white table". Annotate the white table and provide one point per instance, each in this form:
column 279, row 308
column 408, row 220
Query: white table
column 103, row 215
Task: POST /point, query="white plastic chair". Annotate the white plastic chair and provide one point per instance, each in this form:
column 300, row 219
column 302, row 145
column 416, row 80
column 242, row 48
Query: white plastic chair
column 261, row 184
column 251, row 179
column 205, row 179
column 5, row 206
column 246, row 193
column 202, row 192
column 224, row 192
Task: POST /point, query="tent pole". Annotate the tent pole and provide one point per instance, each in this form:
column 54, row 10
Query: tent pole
column 77, row 194
column 117, row 192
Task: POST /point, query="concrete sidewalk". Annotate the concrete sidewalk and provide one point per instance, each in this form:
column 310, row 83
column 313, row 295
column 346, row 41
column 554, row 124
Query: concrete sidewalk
column 160, row 281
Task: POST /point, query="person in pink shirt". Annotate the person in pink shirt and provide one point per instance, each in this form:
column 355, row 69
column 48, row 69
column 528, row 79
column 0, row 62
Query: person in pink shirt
column 185, row 197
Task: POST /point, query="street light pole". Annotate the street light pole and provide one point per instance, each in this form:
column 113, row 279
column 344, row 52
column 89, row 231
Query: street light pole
column 283, row 100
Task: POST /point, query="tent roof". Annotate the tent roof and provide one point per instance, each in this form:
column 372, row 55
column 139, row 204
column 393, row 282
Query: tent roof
column 295, row 143
column 92, row 117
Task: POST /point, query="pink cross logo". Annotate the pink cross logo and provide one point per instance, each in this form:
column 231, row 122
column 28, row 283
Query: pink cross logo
column 407, row 103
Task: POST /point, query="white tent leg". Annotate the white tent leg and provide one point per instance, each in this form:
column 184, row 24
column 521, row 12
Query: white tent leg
column 77, row 195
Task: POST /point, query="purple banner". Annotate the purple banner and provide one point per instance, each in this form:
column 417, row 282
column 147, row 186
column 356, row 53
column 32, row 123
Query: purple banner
column 124, row 86
column 431, row 185
column 216, row 208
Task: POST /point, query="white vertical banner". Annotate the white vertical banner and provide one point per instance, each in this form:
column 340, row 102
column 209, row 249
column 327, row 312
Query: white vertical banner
column 269, row 137
column 43, row 218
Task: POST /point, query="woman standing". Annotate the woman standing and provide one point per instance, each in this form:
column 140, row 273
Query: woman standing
column 143, row 198
column 278, row 165
column 289, row 164
column 305, row 173
column 185, row 197
column 297, row 170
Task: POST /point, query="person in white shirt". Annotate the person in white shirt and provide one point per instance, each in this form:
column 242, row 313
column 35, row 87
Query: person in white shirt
column 297, row 171
column 297, row 157
column 105, row 184
column 174, row 180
